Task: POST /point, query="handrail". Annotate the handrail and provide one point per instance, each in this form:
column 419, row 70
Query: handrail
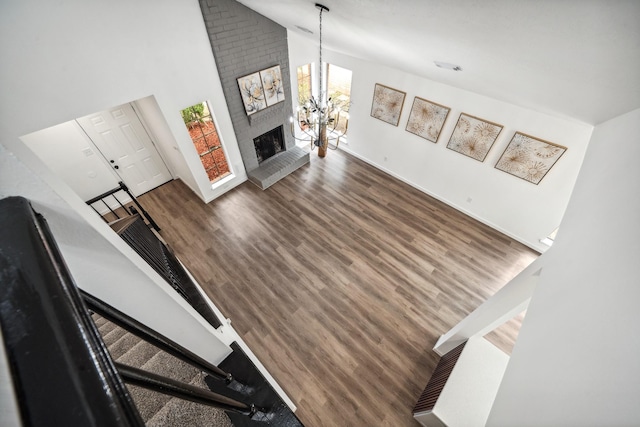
column 182, row 390
column 122, row 187
column 132, row 325
column 60, row 367
column 105, row 194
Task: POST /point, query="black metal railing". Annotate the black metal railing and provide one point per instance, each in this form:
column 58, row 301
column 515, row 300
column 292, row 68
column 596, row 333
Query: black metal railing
column 122, row 209
column 184, row 391
column 130, row 324
column 130, row 224
column 145, row 242
column 61, row 370
column 166, row 385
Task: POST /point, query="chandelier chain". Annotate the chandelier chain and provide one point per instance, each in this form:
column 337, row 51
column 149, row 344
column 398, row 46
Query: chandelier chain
column 321, row 94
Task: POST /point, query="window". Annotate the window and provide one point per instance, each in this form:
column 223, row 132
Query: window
column 304, row 83
column 205, row 137
column 339, row 89
column 339, row 84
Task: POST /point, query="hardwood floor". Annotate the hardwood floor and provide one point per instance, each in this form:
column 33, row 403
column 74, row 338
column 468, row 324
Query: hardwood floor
column 341, row 279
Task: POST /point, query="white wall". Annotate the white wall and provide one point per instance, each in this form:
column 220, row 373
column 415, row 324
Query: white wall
column 518, row 208
column 70, row 154
column 67, row 59
column 101, row 262
column 576, row 358
column 73, row 58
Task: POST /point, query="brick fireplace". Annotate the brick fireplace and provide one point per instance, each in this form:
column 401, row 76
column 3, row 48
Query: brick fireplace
column 257, row 44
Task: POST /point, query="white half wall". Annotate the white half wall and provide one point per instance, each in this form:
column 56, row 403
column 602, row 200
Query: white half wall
column 522, row 210
column 101, row 262
column 575, row 362
column 73, row 58
column 511, row 300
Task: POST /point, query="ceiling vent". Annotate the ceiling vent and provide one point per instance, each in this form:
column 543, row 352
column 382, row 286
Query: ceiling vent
column 447, row 66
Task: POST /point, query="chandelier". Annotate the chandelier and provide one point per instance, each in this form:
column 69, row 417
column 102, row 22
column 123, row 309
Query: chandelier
column 318, row 117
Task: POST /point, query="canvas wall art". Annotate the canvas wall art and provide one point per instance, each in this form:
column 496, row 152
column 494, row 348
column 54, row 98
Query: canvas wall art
column 427, row 119
column 529, row 158
column 252, row 93
column 473, row 136
column 272, row 85
column 387, row 104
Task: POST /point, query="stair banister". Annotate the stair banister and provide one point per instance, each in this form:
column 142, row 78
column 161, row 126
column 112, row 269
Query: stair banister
column 182, row 390
column 60, row 368
column 132, row 325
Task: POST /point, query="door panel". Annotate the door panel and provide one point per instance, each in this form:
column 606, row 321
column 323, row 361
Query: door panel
column 123, row 141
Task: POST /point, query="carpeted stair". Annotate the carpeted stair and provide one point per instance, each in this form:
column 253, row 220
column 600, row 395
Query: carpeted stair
column 157, row 409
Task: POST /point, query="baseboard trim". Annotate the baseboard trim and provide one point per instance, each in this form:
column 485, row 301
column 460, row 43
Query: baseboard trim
column 443, row 200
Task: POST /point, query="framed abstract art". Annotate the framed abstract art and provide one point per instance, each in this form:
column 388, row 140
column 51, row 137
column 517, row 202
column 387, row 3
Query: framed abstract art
column 387, row 104
column 252, row 93
column 473, row 136
column 427, row 119
column 272, row 85
column 529, row 158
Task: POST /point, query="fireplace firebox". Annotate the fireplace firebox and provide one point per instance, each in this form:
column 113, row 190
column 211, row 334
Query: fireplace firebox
column 269, row 144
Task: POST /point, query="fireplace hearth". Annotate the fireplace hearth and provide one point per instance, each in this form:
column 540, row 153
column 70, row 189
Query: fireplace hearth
column 269, row 144
column 275, row 159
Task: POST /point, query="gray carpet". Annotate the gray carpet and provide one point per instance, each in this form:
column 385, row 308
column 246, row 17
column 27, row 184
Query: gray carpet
column 157, row 409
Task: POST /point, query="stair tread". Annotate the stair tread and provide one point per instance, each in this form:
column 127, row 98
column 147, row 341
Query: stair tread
column 123, row 345
column 106, row 327
column 149, row 358
column 138, row 354
column 112, row 336
column 147, row 402
column 163, row 363
column 98, row 320
column 178, row 412
column 157, row 409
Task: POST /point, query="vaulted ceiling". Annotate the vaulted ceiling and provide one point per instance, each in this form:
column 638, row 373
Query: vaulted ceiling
column 577, row 59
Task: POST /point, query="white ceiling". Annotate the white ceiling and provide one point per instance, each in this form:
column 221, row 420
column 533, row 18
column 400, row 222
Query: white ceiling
column 576, row 59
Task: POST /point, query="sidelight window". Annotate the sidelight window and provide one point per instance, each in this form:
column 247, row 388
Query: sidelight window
column 304, row 83
column 205, row 138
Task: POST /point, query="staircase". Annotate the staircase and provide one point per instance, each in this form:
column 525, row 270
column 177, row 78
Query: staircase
column 161, row 410
column 76, row 360
column 157, row 409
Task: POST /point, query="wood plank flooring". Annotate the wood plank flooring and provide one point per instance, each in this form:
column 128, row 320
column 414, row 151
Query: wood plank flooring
column 341, row 279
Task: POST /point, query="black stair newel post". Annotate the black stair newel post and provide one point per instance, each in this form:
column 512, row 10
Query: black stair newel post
column 142, row 210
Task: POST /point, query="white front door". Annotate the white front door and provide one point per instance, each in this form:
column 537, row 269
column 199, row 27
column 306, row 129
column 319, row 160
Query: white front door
column 125, row 144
